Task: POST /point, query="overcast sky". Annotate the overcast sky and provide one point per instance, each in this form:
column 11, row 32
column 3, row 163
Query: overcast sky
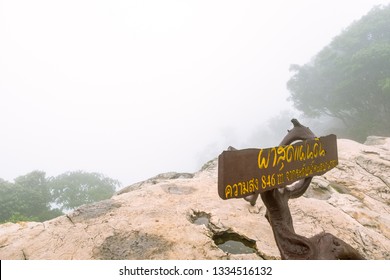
column 131, row 89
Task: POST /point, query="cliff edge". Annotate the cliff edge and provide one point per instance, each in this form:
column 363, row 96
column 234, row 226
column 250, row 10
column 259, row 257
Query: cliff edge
column 180, row 216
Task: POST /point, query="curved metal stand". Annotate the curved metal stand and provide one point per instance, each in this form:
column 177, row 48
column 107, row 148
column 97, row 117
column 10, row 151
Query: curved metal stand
column 323, row 246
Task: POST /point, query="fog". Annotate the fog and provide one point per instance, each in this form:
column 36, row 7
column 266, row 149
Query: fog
column 131, row 89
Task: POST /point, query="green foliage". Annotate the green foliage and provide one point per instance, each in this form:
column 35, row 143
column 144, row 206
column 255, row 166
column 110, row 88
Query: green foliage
column 33, row 194
column 8, row 200
column 26, row 199
column 34, row 197
column 350, row 78
column 17, row 217
column 73, row 189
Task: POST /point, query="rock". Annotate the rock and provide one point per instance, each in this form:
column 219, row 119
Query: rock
column 375, row 140
column 180, row 216
column 156, row 179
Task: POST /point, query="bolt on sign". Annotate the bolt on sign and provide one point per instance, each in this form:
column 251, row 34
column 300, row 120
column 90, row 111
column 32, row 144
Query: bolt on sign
column 249, row 171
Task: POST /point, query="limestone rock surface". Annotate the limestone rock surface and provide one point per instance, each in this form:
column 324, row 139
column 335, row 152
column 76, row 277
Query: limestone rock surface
column 180, row 216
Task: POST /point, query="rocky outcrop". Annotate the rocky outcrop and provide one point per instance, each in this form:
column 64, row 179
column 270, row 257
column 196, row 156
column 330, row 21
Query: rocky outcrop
column 180, row 216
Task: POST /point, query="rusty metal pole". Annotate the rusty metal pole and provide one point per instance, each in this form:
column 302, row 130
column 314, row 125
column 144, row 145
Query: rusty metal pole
column 291, row 245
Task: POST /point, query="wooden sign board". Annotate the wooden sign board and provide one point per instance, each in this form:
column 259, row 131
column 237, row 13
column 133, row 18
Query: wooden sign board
column 250, row 171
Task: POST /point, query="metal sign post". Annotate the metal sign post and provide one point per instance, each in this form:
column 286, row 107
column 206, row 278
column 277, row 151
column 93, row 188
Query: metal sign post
column 270, row 174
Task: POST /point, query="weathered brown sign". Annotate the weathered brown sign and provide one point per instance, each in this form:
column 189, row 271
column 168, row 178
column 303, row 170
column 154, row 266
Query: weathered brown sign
column 250, row 171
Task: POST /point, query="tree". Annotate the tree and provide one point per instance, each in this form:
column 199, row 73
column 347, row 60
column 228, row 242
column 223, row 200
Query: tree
column 350, row 78
column 33, row 194
column 27, row 199
column 7, row 200
column 73, row 189
column 34, row 197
